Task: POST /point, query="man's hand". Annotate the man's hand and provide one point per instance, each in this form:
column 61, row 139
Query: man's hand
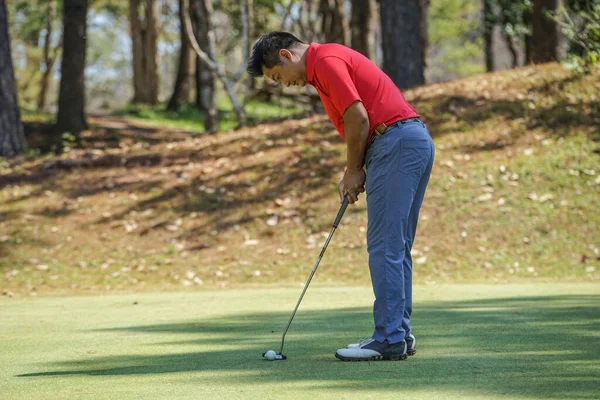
column 352, row 184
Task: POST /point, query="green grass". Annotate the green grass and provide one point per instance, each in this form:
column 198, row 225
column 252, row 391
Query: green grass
column 189, row 116
column 35, row 116
column 474, row 341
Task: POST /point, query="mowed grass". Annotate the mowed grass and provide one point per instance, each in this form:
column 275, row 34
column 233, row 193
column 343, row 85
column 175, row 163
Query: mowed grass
column 513, row 197
column 474, row 341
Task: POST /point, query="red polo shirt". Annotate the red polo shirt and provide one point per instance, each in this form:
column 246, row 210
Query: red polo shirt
column 342, row 76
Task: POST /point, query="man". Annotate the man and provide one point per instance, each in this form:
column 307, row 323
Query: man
column 383, row 134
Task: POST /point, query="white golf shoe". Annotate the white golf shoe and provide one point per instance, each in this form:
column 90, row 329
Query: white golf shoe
column 372, row 350
column 411, row 344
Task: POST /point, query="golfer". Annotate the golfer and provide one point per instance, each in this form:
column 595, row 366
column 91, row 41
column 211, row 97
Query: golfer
column 385, row 137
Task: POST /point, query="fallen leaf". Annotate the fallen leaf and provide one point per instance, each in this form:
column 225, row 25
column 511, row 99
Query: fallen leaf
column 289, row 213
column 283, row 202
column 485, row 197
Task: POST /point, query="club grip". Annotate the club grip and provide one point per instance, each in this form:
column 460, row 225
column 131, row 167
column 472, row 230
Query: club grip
column 341, row 212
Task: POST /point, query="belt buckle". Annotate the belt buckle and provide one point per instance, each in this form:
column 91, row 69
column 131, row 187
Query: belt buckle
column 380, row 129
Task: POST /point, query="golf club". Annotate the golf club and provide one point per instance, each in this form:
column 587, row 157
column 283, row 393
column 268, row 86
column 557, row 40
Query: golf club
column 271, row 355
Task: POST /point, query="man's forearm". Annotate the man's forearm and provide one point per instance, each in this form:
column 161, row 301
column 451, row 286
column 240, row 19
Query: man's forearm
column 356, row 143
column 356, row 128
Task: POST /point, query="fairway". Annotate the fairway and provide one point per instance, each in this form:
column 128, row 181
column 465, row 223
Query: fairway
column 474, row 341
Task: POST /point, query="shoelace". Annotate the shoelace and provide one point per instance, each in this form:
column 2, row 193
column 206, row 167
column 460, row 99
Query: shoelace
column 364, row 341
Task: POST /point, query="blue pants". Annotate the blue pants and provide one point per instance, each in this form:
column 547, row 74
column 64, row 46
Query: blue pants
column 398, row 168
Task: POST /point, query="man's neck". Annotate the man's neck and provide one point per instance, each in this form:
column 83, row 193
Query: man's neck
column 303, row 49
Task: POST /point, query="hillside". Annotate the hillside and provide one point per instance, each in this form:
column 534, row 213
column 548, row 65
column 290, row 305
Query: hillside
column 513, row 197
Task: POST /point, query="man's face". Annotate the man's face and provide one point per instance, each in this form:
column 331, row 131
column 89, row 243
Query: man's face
column 290, row 73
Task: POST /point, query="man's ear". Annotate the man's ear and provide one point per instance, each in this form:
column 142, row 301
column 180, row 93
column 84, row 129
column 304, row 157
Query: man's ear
column 285, row 54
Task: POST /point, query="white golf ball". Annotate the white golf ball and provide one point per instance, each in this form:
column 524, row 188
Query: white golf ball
column 270, row 355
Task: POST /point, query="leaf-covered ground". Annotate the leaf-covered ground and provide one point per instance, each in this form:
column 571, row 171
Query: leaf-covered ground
column 514, row 196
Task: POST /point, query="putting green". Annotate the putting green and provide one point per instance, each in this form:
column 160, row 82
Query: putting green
column 474, row 341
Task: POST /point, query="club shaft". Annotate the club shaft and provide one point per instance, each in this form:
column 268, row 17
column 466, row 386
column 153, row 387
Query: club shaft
column 335, row 225
column 305, row 288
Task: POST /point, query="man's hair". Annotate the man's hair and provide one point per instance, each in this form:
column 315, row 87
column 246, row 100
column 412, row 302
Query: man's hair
column 266, row 51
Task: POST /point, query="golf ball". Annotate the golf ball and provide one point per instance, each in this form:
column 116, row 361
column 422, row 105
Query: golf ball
column 270, row 355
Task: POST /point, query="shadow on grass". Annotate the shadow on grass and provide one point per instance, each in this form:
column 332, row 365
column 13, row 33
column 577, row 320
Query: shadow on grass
column 540, row 347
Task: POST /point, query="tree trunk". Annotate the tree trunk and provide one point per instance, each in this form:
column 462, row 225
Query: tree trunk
column 48, row 59
column 205, row 96
column 71, row 109
column 251, row 33
column 333, row 23
column 363, row 21
column 547, row 39
column 216, row 69
column 489, row 21
column 512, row 49
column 402, row 43
column 424, row 33
column 12, row 140
column 187, row 66
column 144, row 37
column 201, row 13
column 527, row 16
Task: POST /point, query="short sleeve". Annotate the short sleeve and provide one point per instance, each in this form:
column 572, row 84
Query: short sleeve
column 334, row 75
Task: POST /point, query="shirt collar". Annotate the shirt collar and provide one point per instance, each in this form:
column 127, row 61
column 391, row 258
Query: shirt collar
column 310, row 62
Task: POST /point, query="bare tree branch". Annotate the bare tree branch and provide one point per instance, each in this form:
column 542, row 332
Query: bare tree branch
column 288, row 11
column 216, row 68
column 245, row 29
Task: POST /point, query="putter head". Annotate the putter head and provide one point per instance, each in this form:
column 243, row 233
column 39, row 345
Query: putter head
column 278, row 356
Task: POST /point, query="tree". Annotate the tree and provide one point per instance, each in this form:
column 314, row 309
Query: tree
column 228, row 83
column 32, row 25
column 12, row 140
column 514, row 21
column 187, row 66
column 580, row 23
column 333, row 22
column 205, row 80
column 48, row 57
column 402, row 42
column 424, row 35
column 71, row 109
column 547, row 40
column 489, row 20
column 363, row 27
column 144, row 35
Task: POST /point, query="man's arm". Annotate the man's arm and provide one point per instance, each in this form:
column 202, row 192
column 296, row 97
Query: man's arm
column 335, row 75
column 356, row 128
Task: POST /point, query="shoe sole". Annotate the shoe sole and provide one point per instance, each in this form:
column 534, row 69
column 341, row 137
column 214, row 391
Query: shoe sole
column 411, row 352
column 391, row 357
